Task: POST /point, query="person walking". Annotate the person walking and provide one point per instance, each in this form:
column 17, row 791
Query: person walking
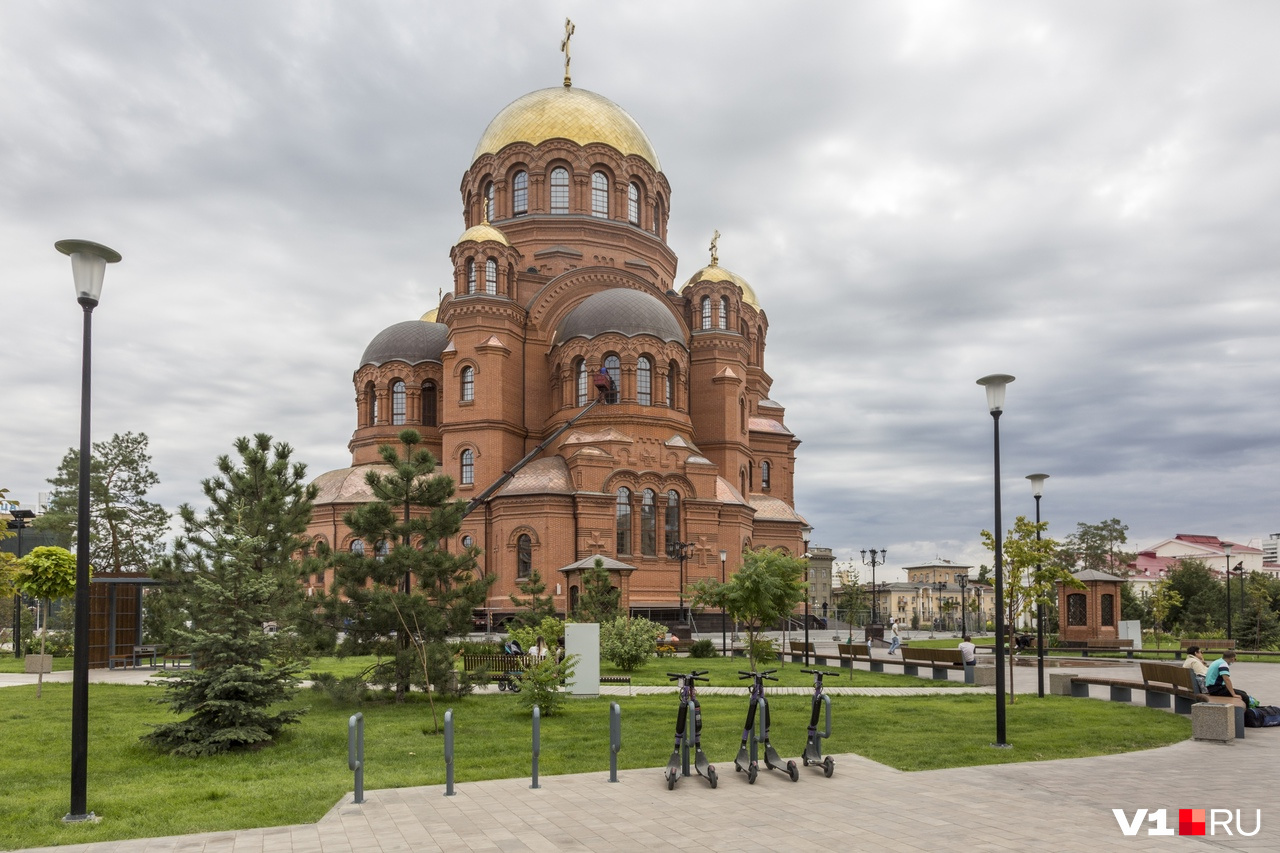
column 896, row 639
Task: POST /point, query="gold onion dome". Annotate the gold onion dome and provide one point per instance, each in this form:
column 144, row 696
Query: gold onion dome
column 430, row 316
column 715, row 272
column 482, row 232
column 566, row 113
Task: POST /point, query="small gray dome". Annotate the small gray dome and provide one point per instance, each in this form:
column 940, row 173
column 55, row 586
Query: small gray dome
column 412, row 341
column 627, row 312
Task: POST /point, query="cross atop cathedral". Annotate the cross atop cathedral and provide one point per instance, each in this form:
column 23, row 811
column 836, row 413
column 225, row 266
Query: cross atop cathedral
column 715, row 257
column 564, row 46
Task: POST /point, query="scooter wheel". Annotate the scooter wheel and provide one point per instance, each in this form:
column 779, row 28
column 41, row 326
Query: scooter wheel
column 502, row 687
column 671, row 781
column 711, row 776
column 752, row 772
column 828, row 767
column 793, row 771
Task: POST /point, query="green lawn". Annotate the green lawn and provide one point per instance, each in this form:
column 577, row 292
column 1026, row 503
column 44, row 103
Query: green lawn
column 8, row 663
column 140, row 793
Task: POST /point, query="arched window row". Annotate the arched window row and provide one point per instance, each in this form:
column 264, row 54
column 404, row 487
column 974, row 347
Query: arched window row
column 399, row 402
column 481, row 276
column 714, row 314
column 630, row 205
column 650, row 505
column 646, row 381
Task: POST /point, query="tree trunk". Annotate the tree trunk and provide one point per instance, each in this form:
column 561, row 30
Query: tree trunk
column 44, row 628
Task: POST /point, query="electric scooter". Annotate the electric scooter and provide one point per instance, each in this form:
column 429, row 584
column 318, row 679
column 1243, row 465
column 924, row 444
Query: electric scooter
column 813, row 746
column 746, row 762
column 679, row 763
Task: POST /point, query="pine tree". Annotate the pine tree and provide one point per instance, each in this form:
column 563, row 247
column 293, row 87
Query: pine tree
column 405, row 594
column 599, row 599
column 537, row 606
column 233, row 570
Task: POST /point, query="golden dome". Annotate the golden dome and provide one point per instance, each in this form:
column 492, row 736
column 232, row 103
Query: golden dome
column 564, row 112
column 715, row 272
column 430, row 316
column 482, row 232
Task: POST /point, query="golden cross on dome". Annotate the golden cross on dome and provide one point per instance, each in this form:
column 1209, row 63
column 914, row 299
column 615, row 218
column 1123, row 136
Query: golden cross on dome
column 564, row 46
column 715, row 257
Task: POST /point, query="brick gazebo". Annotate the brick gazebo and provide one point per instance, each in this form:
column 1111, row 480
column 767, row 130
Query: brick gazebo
column 1091, row 613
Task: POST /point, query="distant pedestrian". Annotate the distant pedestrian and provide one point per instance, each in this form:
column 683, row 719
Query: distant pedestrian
column 896, row 639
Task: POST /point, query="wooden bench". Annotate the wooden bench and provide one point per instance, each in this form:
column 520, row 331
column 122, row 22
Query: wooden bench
column 799, row 649
column 1160, row 683
column 125, row 661
column 1206, row 646
column 938, row 660
column 502, row 668
column 176, row 660
column 857, row 652
column 1105, row 644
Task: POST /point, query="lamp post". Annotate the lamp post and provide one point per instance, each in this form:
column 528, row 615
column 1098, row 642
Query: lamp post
column 939, row 587
column 19, row 522
column 962, row 581
column 807, row 531
column 724, row 644
column 873, row 562
column 995, row 385
column 1037, row 489
column 1226, row 549
column 681, row 552
column 88, row 266
column 982, row 622
column 1240, row 569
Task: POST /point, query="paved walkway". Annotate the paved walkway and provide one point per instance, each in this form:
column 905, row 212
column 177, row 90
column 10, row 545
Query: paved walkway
column 1054, row 805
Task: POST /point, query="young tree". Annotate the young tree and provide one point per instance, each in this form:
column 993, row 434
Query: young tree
column 537, row 606
column 853, row 598
column 1029, row 577
column 599, row 599
column 126, row 531
column 1163, row 599
column 767, row 588
column 231, row 571
column 405, row 594
column 48, row 573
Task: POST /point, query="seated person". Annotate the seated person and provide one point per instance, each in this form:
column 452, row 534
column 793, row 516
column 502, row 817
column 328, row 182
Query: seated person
column 968, row 651
column 1199, row 669
column 1218, row 679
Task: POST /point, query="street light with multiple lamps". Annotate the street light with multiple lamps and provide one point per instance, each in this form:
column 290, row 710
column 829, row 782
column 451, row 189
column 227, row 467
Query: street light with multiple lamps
column 995, row 385
column 873, row 562
column 963, row 582
column 1226, row 549
column 1037, row 489
column 20, row 521
column 940, row 587
column 724, row 556
column 681, row 552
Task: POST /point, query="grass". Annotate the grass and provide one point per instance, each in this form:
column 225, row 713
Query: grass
column 8, row 663
column 142, row 793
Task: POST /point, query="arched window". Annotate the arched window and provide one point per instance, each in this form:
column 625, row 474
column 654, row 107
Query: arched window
column 524, row 556
column 381, row 549
column 633, row 204
column 520, row 194
column 599, row 195
column 559, row 190
column 491, row 277
column 742, row 413
column 468, row 384
column 673, row 373
column 672, row 522
column 397, row 402
column 471, row 276
column 657, row 217
column 644, row 381
column 1077, row 609
column 614, row 367
column 429, row 405
column 764, row 476
column 648, row 524
column 724, row 312
column 624, row 521
column 468, row 467
column 1107, row 607
column 491, row 198
column 580, row 382
column 357, row 547
column 706, row 312
column 373, row 403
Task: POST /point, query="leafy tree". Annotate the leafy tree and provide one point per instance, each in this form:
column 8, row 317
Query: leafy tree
column 1163, row 599
column 1097, row 546
column 767, row 588
column 599, row 599
column 1030, row 577
column 1262, row 599
column 542, row 682
column 550, row 629
column 1203, row 605
column 1133, row 608
column 47, row 574
column 237, row 677
column 628, row 642
column 405, row 595
column 126, row 531
column 537, row 606
column 231, row 571
column 853, row 598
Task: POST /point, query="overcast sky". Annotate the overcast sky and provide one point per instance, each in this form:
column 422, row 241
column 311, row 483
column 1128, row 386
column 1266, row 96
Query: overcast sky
column 1085, row 195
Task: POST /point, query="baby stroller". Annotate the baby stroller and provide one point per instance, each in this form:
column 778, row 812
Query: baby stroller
column 508, row 679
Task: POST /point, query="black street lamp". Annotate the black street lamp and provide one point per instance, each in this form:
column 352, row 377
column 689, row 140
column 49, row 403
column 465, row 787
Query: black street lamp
column 1240, row 571
column 1037, row 489
column 939, row 587
column 724, row 644
column 995, row 385
column 19, row 522
column 873, row 562
column 88, row 266
column 806, row 532
column 1226, row 549
column 681, row 551
column 963, row 582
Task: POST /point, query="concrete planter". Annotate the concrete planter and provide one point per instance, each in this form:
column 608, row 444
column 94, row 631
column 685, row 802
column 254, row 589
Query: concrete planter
column 38, row 663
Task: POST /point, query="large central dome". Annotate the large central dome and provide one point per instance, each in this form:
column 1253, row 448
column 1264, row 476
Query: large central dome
column 564, row 112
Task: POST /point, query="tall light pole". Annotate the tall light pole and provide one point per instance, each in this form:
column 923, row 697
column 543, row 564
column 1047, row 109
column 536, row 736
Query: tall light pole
column 939, row 586
column 724, row 644
column 681, row 551
column 1226, row 549
column 19, row 522
column 1037, row 489
column 806, row 532
column 1240, row 569
column 963, row 582
column 995, row 385
column 875, row 592
column 88, row 266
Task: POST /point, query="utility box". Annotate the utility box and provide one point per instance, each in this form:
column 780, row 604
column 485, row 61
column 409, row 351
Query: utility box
column 1131, row 630
column 583, row 639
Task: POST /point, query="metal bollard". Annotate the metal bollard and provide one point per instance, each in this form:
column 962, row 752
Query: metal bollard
column 615, row 739
column 355, row 753
column 537, row 746
column 448, row 753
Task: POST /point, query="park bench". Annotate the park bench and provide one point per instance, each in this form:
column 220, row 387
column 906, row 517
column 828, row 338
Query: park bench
column 501, row 668
column 857, row 652
column 938, row 660
column 799, row 649
column 1160, row 683
column 1207, row 647
column 177, row 660
column 125, row 661
column 1108, row 644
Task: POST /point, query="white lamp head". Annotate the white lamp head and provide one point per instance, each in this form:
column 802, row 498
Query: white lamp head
column 88, row 265
column 995, row 385
column 724, row 555
column 1037, row 484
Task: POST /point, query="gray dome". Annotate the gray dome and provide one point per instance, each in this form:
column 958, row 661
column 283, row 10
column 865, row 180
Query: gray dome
column 627, row 312
column 412, row 341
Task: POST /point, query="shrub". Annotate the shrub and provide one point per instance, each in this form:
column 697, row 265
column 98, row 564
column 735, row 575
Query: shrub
column 540, row 684
column 762, row 651
column 703, row 649
column 346, row 692
column 629, row 641
column 550, row 629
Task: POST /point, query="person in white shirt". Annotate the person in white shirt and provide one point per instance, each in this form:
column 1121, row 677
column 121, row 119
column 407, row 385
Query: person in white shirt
column 896, row 641
column 968, row 651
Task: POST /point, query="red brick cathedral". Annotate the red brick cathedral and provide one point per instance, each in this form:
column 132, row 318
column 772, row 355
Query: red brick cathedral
column 564, row 269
